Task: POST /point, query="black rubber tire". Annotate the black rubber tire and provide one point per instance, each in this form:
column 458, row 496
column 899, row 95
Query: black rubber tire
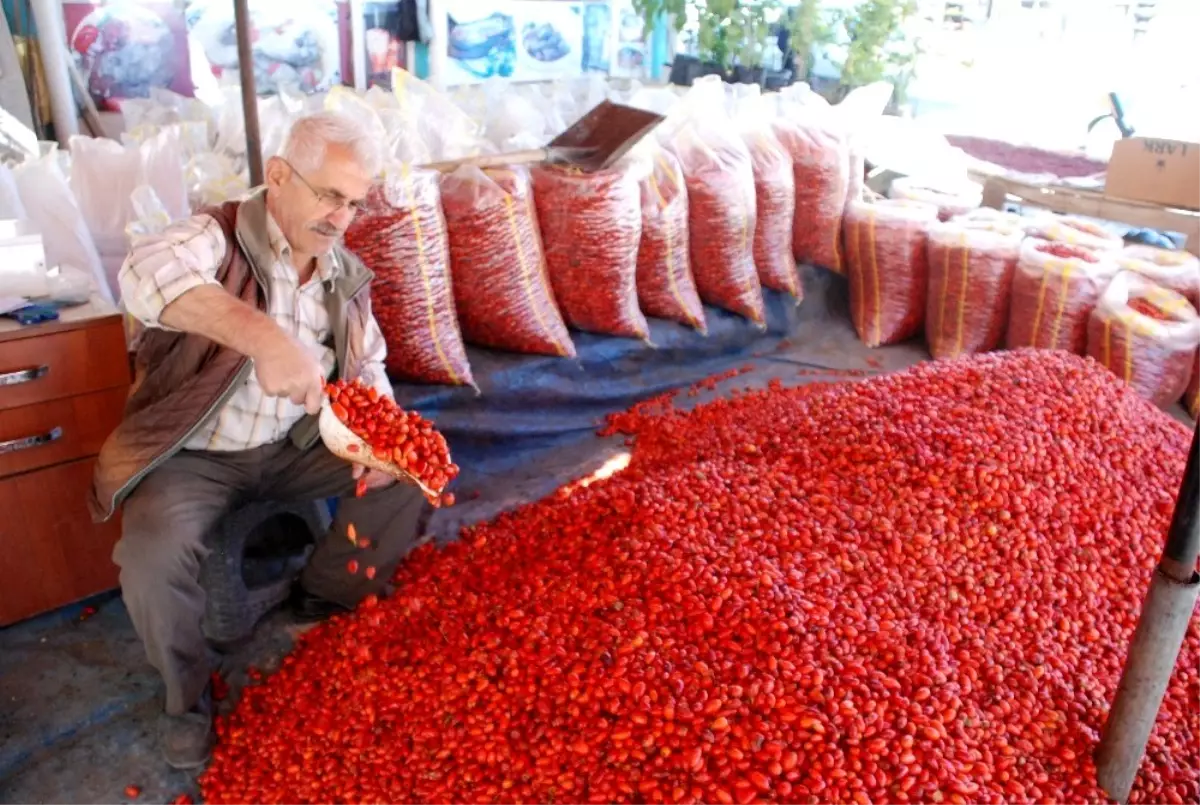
column 232, row 608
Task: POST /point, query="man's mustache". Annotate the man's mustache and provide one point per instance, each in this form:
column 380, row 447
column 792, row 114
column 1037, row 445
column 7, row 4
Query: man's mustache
column 328, row 231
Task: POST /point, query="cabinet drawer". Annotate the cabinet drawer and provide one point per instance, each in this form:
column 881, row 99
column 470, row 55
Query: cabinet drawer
column 35, row 436
column 56, row 365
column 50, row 551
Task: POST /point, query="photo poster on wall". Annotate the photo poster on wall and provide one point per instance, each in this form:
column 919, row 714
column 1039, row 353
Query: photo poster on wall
column 296, row 44
column 381, row 42
column 125, row 49
column 631, row 52
column 526, row 40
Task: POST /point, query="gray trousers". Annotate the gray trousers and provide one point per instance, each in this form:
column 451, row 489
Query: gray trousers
column 166, row 519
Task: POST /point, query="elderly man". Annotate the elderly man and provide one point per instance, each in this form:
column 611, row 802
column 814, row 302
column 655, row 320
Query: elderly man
column 249, row 307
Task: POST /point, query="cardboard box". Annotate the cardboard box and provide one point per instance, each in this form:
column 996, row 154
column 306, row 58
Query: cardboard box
column 1163, row 172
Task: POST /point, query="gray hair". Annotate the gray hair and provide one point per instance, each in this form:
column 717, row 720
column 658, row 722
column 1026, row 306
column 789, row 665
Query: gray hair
column 310, row 136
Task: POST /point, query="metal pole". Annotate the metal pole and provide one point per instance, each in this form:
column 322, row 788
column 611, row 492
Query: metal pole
column 52, row 40
column 1183, row 539
column 1154, row 650
column 254, row 160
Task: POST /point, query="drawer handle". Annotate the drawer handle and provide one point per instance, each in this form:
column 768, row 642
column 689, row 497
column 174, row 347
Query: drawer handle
column 13, row 445
column 24, row 375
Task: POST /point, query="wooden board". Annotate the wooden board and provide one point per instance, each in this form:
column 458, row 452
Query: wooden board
column 1094, row 204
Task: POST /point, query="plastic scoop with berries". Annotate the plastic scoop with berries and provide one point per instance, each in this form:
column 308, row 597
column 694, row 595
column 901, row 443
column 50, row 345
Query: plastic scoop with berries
column 364, row 427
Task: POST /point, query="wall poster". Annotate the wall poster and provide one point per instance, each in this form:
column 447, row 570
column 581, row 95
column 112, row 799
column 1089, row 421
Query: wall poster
column 522, row 40
column 124, row 49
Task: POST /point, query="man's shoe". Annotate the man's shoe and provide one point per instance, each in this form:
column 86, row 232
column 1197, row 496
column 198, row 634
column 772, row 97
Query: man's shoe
column 188, row 740
column 309, row 608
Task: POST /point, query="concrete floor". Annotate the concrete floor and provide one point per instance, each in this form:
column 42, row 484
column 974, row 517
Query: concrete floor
column 79, row 704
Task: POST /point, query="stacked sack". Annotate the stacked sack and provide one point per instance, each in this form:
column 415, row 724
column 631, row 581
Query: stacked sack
column 664, row 276
column 971, row 266
column 1146, row 335
column 591, row 227
column 888, row 268
column 401, row 236
column 502, row 289
column 1054, row 289
column 719, row 174
column 1176, row 270
column 775, row 198
column 1075, row 231
column 820, row 156
column 951, row 200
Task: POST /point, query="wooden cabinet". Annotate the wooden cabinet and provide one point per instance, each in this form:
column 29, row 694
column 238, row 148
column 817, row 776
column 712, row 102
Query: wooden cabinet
column 62, row 390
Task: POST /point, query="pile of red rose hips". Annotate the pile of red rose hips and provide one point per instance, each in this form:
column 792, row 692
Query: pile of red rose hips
column 914, row 588
column 403, row 438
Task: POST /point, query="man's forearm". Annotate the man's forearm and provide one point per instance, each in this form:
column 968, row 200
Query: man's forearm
column 212, row 312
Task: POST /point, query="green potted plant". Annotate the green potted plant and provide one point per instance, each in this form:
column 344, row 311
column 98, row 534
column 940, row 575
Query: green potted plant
column 808, row 28
column 878, row 48
column 730, row 35
column 872, row 36
column 749, row 20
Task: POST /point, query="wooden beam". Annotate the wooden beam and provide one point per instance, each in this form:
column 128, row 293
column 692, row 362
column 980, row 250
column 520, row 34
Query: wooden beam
column 1094, row 204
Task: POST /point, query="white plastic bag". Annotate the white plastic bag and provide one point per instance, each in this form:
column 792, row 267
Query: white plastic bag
column 10, row 198
column 51, row 205
column 513, row 121
column 857, row 113
column 104, row 175
column 444, row 129
column 213, row 179
column 150, row 216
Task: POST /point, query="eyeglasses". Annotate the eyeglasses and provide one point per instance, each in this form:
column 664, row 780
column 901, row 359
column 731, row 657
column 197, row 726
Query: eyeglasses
column 330, row 200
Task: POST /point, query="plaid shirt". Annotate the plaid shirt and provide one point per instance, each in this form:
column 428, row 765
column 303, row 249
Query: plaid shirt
column 162, row 267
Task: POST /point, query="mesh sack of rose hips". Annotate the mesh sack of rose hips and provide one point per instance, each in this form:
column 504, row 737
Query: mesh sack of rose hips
column 775, row 211
column 665, row 286
column 1176, row 270
column 1075, row 231
column 951, row 200
column 401, row 236
column 888, row 268
column 971, row 266
column 397, row 439
column 721, row 202
column 821, row 164
column 591, row 226
column 994, row 216
column 1146, row 335
column 1054, row 289
column 501, row 287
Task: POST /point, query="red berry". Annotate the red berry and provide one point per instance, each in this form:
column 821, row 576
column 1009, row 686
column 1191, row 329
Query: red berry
column 831, row 593
column 394, row 435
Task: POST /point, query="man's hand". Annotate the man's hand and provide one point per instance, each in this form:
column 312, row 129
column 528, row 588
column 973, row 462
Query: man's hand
column 286, row 369
column 371, row 479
